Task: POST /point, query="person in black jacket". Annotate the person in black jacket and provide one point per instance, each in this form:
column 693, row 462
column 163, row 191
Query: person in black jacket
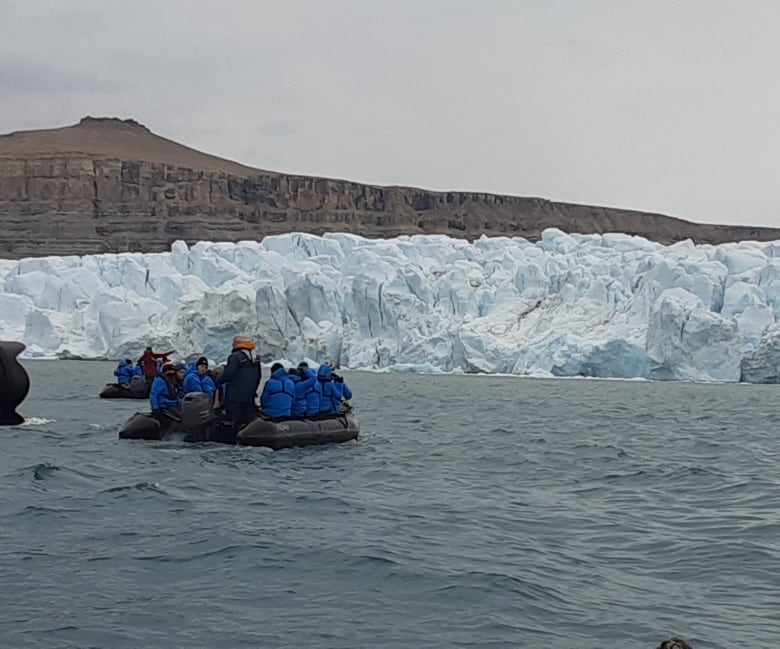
column 241, row 378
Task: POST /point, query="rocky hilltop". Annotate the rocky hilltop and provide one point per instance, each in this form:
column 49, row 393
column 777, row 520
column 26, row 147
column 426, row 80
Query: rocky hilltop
column 111, row 185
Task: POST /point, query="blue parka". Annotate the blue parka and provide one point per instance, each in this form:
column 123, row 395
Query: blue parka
column 125, row 372
column 343, row 389
column 164, row 394
column 278, row 394
column 194, row 382
column 330, row 393
column 307, row 399
column 299, row 404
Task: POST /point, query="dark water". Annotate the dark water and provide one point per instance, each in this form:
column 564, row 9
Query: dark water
column 473, row 512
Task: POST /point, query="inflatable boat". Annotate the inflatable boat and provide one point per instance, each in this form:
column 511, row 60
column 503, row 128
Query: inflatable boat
column 199, row 422
column 139, row 389
column 14, row 382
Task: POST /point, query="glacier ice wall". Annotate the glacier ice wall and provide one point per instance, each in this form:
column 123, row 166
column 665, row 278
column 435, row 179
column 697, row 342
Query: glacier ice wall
column 608, row 305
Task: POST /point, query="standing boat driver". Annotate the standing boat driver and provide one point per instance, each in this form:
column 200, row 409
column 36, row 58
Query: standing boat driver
column 241, row 377
column 148, row 362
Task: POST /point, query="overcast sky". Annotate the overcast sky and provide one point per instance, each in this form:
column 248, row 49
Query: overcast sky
column 664, row 106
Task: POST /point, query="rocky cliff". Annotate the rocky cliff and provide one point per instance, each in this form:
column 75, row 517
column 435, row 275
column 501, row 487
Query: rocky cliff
column 110, row 185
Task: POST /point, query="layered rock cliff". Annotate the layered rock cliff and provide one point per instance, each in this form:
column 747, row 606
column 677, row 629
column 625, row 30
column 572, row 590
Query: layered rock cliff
column 110, row 185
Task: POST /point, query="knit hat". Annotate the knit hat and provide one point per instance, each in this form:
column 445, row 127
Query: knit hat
column 168, row 367
column 181, row 365
column 203, row 361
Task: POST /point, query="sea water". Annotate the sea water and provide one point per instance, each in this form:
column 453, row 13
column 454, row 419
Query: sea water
column 472, row 512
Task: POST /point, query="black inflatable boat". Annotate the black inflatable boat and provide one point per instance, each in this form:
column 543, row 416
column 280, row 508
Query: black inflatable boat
column 14, row 382
column 139, row 389
column 199, row 422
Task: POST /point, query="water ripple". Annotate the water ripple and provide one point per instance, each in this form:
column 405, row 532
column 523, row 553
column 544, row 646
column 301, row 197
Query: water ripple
column 533, row 512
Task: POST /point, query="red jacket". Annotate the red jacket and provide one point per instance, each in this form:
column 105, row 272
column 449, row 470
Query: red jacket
column 149, row 362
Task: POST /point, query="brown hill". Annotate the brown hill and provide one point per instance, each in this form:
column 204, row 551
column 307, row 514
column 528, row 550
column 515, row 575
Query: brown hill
column 113, row 138
column 111, row 185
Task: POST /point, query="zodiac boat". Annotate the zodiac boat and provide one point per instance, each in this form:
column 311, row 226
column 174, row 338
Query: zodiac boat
column 199, row 422
column 14, row 382
column 139, row 389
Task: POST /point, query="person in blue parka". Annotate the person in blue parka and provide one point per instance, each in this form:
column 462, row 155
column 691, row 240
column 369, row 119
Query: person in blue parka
column 125, row 371
column 307, row 400
column 299, row 404
column 164, row 396
column 341, row 386
column 197, row 379
column 310, row 389
column 180, row 371
column 278, row 393
column 330, row 394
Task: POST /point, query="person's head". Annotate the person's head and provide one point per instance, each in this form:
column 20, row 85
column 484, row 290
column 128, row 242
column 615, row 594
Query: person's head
column 243, row 342
column 148, row 349
column 276, row 366
column 169, row 370
column 202, row 365
column 128, row 361
column 324, row 372
column 303, row 365
column 180, row 368
column 292, row 371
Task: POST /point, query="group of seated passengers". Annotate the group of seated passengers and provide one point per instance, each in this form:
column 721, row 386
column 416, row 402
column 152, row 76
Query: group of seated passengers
column 296, row 392
column 149, row 366
column 177, row 379
column 302, row 392
column 125, row 372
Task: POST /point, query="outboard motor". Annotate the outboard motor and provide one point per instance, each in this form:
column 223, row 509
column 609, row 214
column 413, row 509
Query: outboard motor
column 14, row 383
column 138, row 386
column 197, row 416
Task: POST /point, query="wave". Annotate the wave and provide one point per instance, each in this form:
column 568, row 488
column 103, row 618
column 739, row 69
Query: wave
column 37, row 421
column 151, row 487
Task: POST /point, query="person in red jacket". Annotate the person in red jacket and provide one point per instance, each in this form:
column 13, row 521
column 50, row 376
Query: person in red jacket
column 149, row 362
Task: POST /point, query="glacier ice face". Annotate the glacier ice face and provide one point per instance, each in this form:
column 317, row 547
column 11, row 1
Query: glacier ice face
column 687, row 341
column 608, row 305
column 762, row 363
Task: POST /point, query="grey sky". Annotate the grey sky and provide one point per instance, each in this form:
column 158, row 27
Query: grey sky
column 659, row 105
